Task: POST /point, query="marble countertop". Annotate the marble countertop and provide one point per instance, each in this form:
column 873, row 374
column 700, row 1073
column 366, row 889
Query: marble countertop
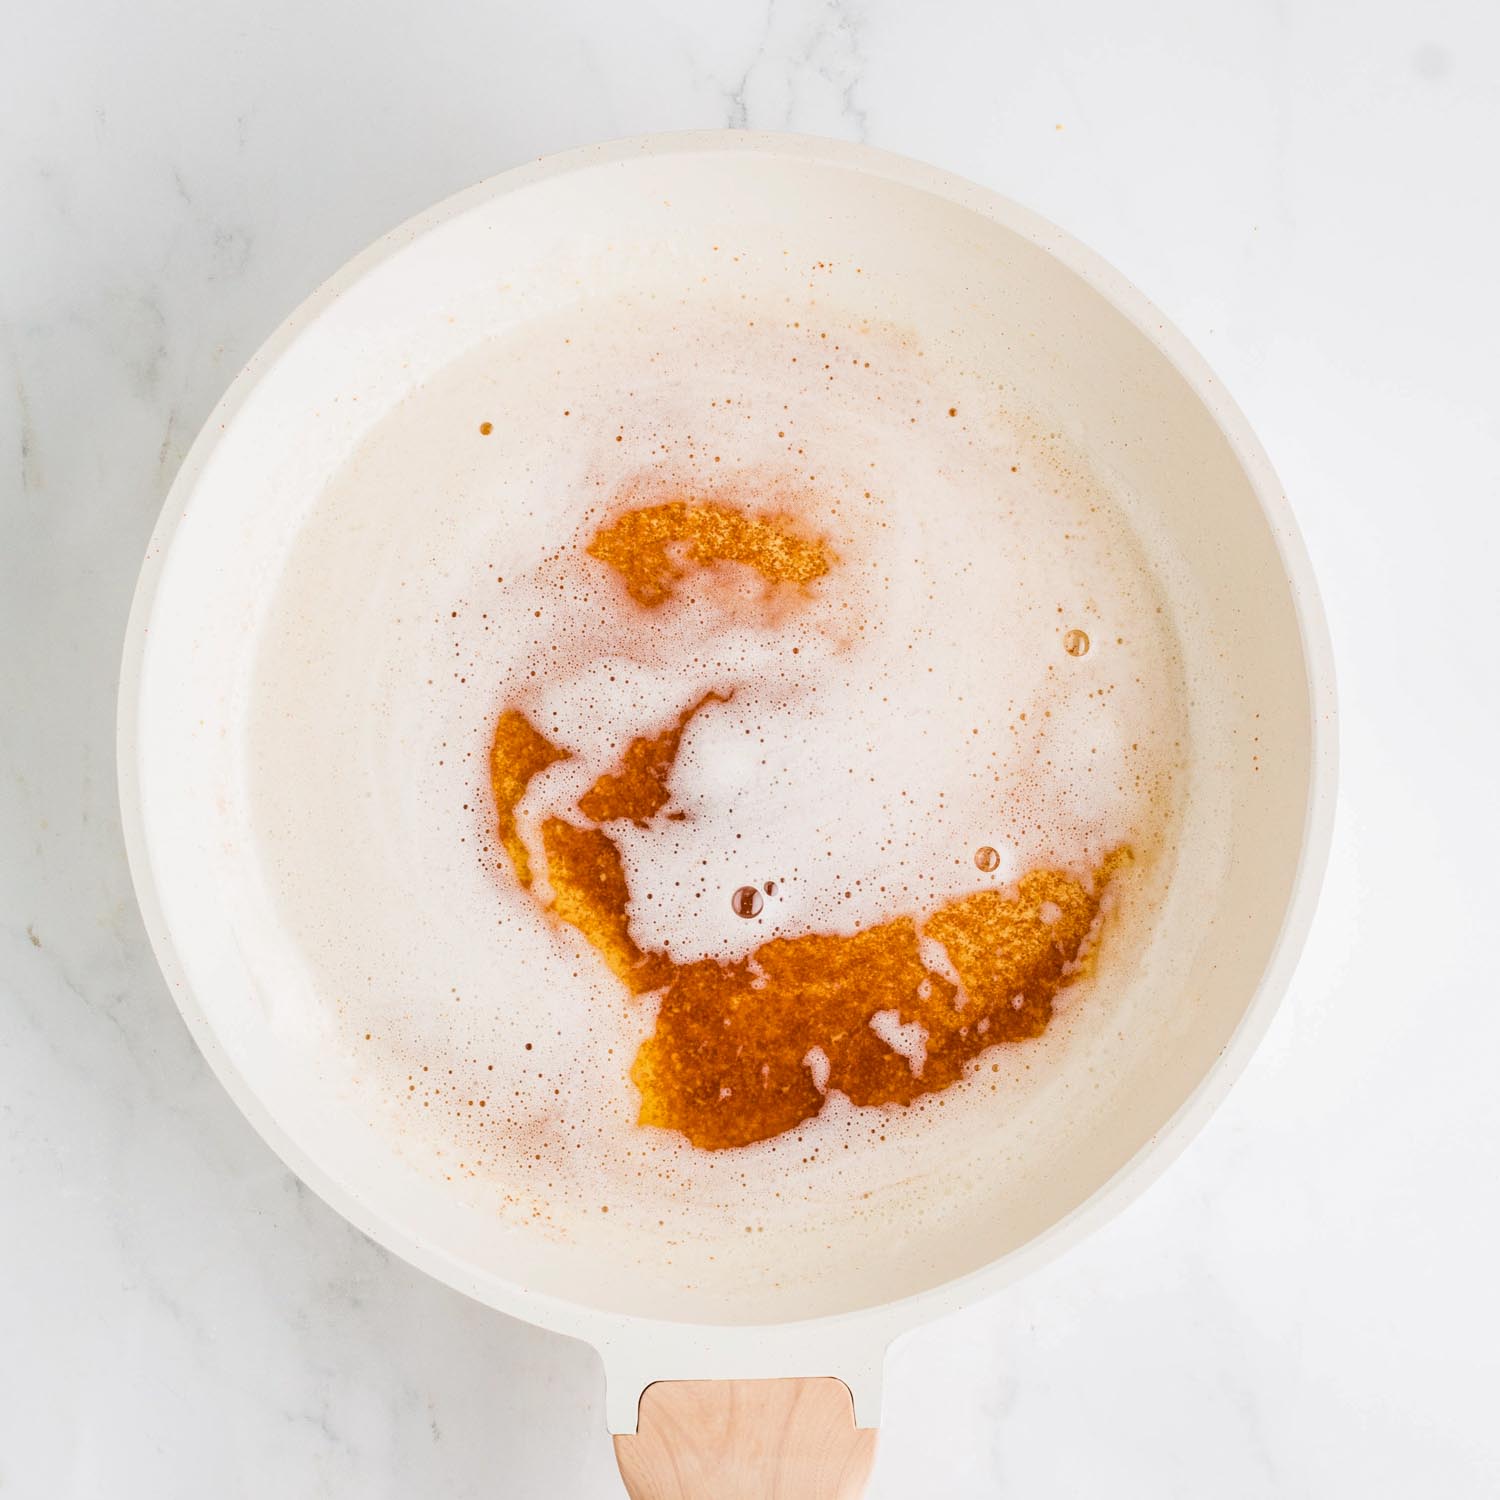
column 1306, row 1304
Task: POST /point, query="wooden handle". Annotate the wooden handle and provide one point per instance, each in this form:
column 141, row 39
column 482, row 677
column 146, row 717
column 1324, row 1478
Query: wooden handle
column 747, row 1440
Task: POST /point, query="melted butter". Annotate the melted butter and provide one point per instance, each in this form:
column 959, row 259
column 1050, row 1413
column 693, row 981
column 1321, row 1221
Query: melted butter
column 727, row 1064
column 653, row 547
column 638, row 791
column 518, row 753
column 589, row 892
column 732, row 1057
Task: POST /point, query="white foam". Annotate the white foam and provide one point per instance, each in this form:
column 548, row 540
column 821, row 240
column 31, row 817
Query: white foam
column 910, row 1040
column 928, row 709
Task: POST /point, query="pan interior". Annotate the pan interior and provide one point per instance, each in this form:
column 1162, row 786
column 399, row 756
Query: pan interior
column 336, row 634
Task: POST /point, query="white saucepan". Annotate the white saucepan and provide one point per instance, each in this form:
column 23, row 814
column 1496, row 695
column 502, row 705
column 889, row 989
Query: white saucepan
column 750, row 1387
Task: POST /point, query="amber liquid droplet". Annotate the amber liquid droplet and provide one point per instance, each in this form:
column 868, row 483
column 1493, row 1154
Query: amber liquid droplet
column 1076, row 643
column 987, row 859
column 746, row 901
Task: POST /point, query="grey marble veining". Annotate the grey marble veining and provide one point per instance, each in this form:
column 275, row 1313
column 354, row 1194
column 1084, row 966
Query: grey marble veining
column 1306, row 1304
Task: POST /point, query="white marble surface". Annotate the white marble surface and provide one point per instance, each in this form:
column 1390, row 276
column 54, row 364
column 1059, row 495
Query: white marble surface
column 1306, row 1305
